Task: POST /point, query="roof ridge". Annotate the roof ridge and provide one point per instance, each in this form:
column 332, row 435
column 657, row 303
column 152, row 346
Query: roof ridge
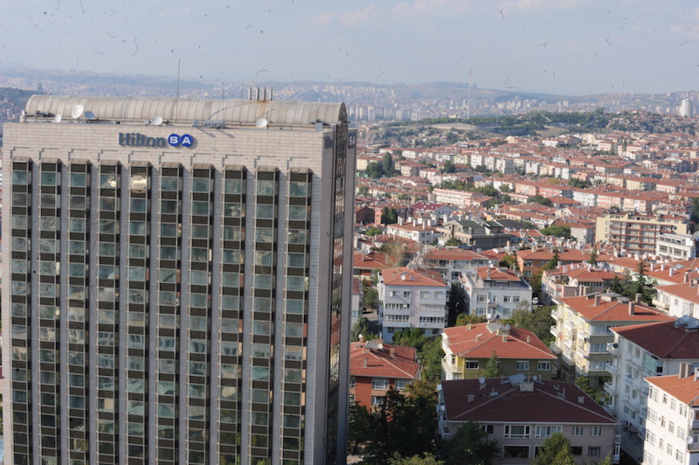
column 492, row 399
column 390, row 361
column 581, row 406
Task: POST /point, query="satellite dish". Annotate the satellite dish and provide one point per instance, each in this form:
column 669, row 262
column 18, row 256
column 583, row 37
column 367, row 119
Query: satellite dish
column 481, row 380
column 90, row 116
column 615, row 345
column 689, row 440
column 508, row 327
column 488, row 316
column 157, row 121
column 535, row 378
column 261, row 123
column 77, row 111
column 57, row 118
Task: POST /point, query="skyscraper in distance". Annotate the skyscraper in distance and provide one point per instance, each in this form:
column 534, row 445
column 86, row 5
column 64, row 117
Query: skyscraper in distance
column 177, row 281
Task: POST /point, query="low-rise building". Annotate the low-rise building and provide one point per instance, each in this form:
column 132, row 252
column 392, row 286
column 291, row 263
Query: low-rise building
column 468, row 349
column 496, row 291
column 583, row 330
column 412, row 298
column 676, row 246
column 679, row 299
column 574, row 280
column 376, row 367
column 522, row 414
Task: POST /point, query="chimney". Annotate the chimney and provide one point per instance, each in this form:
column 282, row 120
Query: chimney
column 638, row 297
column 632, row 308
column 684, row 370
column 488, row 274
column 468, row 326
column 392, row 351
column 596, row 300
column 686, row 277
column 504, row 338
column 672, row 272
column 529, row 339
column 366, row 363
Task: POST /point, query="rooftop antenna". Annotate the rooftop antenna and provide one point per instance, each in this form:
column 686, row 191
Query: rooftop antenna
column 77, row 111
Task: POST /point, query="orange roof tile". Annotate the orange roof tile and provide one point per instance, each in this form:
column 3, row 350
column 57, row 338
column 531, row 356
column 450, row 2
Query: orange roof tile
column 613, row 309
column 374, row 359
column 686, row 390
column 406, row 276
column 478, row 341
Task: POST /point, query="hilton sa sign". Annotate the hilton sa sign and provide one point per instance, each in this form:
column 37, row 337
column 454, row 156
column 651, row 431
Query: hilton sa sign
column 134, row 139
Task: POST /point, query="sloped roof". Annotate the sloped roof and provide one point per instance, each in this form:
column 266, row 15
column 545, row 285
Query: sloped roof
column 686, row 389
column 685, row 291
column 612, row 308
column 480, row 341
column 549, row 402
column 377, row 360
column 406, row 276
column 664, row 340
column 453, row 253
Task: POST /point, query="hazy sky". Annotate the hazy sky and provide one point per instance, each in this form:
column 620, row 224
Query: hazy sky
column 552, row 46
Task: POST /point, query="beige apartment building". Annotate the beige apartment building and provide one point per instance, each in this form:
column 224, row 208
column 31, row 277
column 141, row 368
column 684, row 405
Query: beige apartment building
column 637, row 233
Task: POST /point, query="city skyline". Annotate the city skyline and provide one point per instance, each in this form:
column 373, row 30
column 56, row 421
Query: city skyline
column 571, row 47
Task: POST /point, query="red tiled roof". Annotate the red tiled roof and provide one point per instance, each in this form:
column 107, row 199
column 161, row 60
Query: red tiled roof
column 497, row 274
column 453, row 253
column 412, row 277
column 613, row 309
column 478, row 341
column 663, row 340
column 684, row 389
column 545, row 404
column 685, row 291
column 377, row 360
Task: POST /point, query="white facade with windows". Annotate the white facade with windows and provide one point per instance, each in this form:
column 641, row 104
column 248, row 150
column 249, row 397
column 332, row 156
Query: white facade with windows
column 411, row 298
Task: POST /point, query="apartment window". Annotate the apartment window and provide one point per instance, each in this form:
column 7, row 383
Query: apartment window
column 517, row 431
column 480, row 298
column 406, row 294
column 595, row 431
column 376, row 401
column 352, row 382
column 472, row 364
column 488, row 429
column 521, row 452
column 547, row 431
column 545, row 366
column 578, row 430
column 522, row 365
column 594, row 451
column 401, row 384
column 515, row 299
column 379, row 383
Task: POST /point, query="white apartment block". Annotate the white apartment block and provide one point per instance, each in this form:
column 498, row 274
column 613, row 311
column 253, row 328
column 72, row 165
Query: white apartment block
column 412, row 298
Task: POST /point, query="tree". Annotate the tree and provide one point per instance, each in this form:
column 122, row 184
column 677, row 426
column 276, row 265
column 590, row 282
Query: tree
column 363, row 191
column 641, row 285
column 389, row 215
column 430, row 357
column 452, row 241
column 463, row 319
column 388, row 165
column 373, row 231
column 538, row 321
column 425, row 459
column 593, row 256
column 410, row 337
column 403, row 424
column 395, row 253
column 492, row 366
column 553, row 262
column 371, row 297
column 449, row 167
column 359, row 426
column 555, row 451
column 362, row 327
column 456, row 303
column 583, row 382
column 540, row 199
column 508, row 261
column 469, row 445
column 557, row 231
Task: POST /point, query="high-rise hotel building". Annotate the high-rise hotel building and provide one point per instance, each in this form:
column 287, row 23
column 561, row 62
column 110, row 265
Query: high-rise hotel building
column 176, row 281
